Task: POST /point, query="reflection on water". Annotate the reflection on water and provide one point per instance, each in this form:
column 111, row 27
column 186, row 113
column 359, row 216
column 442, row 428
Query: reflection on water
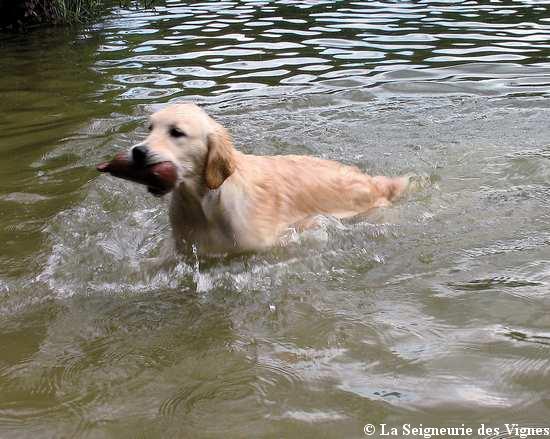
column 430, row 311
column 181, row 49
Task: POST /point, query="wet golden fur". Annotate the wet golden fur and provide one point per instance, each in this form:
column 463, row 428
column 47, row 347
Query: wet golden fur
column 227, row 201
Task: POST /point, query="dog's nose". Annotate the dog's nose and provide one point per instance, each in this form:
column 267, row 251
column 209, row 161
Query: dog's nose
column 139, row 154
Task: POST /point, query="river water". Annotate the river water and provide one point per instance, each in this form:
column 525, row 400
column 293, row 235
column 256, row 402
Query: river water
column 432, row 311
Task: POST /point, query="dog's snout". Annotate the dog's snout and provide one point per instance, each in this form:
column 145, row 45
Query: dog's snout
column 139, row 154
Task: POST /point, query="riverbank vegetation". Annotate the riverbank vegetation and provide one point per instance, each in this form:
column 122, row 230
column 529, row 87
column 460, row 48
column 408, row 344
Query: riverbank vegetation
column 22, row 13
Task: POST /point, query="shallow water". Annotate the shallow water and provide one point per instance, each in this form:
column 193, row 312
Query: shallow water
column 432, row 311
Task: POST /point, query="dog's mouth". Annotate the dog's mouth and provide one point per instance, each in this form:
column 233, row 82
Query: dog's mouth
column 158, row 191
column 159, row 177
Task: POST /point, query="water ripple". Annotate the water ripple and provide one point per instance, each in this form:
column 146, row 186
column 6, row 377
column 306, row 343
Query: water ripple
column 374, row 35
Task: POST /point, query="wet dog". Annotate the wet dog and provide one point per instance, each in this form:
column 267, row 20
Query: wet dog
column 228, row 201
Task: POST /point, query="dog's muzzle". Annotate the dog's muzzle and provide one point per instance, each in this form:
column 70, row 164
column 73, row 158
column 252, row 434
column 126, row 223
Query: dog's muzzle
column 142, row 155
column 139, row 154
column 141, row 166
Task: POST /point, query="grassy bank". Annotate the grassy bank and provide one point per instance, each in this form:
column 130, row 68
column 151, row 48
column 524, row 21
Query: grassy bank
column 21, row 13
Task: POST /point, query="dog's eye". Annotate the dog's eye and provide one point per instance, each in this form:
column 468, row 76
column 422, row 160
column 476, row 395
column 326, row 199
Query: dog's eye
column 176, row 132
column 150, row 127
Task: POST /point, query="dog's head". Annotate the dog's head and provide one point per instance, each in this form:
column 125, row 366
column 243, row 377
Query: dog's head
column 200, row 148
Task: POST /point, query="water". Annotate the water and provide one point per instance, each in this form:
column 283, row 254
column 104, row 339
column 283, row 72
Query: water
column 431, row 311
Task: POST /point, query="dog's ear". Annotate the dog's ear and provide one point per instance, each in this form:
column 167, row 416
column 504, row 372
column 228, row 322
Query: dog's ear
column 220, row 161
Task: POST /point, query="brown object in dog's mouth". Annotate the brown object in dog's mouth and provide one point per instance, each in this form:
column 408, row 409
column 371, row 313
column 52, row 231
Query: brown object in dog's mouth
column 160, row 178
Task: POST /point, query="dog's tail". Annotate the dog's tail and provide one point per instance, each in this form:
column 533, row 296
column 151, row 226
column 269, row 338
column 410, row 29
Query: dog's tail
column 393, row 188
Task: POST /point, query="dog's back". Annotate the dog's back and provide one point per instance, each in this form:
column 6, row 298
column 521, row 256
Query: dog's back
column 265, row 195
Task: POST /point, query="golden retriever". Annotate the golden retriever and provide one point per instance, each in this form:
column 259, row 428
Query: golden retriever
column 227, row 201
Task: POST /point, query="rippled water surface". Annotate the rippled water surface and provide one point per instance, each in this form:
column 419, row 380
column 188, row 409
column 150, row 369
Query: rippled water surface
column 432, row 311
